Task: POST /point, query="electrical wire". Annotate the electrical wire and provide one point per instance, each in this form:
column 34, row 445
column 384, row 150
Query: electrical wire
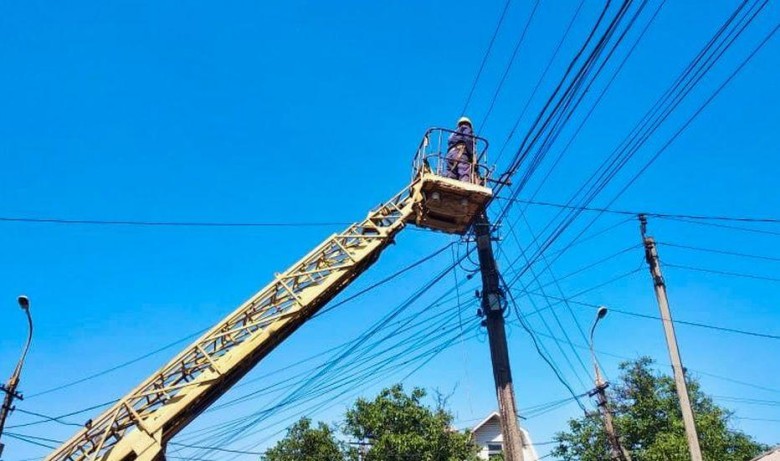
column 117, row 367
column 652, row 214
column 720, row 252
column 690, row 77
column 720, row 272
column 675, row 321
column 485, row 57
column 508, row 67
column 59, row 418
column 141, row 223
column 387, row 279
column 536, row 344
column 539, row 82
column 555, row 317
column 27, row 440
column 236, row 432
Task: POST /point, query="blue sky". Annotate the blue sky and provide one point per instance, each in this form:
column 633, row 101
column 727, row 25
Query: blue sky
column 310, row 112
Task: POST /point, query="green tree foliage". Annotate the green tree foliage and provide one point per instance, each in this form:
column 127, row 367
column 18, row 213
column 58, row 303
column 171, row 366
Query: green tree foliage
column 649, row 422
column 401, row 428
column 304, row 442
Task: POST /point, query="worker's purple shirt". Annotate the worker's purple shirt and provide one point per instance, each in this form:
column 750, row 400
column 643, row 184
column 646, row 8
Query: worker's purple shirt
column 463, row 134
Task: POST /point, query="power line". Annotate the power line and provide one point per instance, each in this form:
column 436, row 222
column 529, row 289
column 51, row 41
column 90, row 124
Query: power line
column 35, row 437
column 363, row 380
column 726, row 226
column 190, row 336
column 536, row 344
column 748, row 401
column 647, row 213
column 385, row 280
column 700, row 325
column 59, row 418
column 720, row 272
column 721, row 252
column 334, row 385
column 485, row 57
column 369, row 368
column 27, row 440
column 675, row 321
column 539, row 82
column 578, row 89
column 226, row 450
column 140, row 223
column 700, row 372
column 239, row 428
column 655, row 116
column 539, row 128
column 708, row 100
column 573, row 96
column 598, row 100
column 117, row 367
column 49, row 418
column 509, row 65
column 554, row 313
column 768, row 420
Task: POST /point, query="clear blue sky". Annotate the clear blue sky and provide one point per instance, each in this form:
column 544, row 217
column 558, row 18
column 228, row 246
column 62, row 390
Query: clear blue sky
column 307, row 111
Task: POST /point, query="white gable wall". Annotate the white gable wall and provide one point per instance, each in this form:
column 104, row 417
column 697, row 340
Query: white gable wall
column 489, row 433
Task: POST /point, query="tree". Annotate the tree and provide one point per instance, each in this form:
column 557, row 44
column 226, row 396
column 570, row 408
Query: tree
column 400, row 428
column 304, row 442
column 649, row 422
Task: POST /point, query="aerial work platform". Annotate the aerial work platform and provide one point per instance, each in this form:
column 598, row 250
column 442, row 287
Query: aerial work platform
column 139, row 425
column 442, row 202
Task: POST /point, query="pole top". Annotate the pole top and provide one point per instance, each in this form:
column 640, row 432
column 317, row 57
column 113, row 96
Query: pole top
column 642, row 224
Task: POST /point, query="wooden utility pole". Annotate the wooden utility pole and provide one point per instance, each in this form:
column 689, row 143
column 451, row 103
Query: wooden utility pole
column 616, row 451
column 493, row 305
column 651, row 254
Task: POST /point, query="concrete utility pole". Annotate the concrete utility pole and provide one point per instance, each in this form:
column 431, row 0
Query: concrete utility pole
column 617, row 452
column 493, row 305
column 651, row 254
column 13, row 381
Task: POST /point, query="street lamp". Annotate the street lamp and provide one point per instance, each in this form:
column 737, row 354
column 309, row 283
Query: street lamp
column 10, row 388
column 617, row 451
column 600, row 314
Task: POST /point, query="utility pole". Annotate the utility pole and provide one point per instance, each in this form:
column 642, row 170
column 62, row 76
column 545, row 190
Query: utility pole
column 493, row 305
column 651, row 255
column 617, row 451
column 10, row 388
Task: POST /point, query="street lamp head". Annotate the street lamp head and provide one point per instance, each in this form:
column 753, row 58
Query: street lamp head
column 24, row 302
column 601, row 313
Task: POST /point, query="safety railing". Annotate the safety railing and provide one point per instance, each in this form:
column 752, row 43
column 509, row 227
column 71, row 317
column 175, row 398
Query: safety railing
column 437, row 155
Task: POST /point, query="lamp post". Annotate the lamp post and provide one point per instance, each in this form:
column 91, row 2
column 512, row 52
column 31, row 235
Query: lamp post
column 10, row 388
column 600, row 314
column 617, row 452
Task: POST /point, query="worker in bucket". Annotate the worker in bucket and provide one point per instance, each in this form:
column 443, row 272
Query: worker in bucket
column 460, row 151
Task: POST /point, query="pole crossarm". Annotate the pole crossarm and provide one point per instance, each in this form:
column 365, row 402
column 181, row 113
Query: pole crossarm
column 140, row 424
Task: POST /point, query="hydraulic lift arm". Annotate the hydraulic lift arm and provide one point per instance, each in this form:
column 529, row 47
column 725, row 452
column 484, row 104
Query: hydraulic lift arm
column 140, row 424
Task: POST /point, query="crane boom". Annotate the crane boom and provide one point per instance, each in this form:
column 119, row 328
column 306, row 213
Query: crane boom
column 139, row 426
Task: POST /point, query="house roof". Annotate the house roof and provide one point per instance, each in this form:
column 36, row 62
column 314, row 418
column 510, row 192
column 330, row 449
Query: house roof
column 771, row 455
column 486, row 420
